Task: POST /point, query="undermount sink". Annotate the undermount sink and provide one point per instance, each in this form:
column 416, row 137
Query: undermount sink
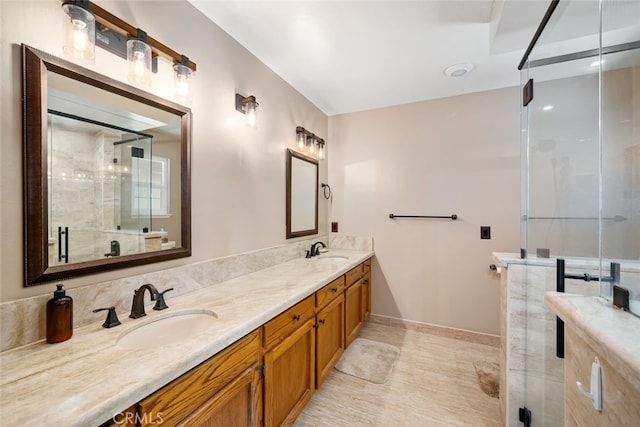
column 328, row 258
column 173, row 328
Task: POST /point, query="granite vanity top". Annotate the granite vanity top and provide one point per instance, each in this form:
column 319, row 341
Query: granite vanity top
column 610, row 331
column 87, row 379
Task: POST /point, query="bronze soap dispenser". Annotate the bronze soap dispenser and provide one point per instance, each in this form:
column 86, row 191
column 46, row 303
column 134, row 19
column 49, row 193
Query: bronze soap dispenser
column 59, row 316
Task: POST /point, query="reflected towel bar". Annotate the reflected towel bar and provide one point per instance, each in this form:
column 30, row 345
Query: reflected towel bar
column 452, row 217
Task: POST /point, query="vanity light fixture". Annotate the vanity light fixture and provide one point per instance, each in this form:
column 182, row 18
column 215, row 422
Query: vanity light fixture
column 79, row 30
column 247, row 105
column 308, row 143
column 120, row 38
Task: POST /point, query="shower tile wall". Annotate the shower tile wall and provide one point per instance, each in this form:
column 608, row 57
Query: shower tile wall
column 72, row 190
column 84, row 193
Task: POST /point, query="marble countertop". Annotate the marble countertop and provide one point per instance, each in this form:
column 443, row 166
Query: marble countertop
column 87, row 379
column 610, row 331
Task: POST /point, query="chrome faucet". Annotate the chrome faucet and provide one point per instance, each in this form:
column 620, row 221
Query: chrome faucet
column 314, row 249
column 137, row 307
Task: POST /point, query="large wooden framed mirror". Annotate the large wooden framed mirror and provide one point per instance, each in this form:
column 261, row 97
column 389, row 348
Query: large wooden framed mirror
column 106, row 173
column 302, row 195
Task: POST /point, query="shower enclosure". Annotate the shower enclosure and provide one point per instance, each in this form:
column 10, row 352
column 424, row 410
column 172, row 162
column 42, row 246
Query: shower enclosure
column 99, row 189
column 580, row 185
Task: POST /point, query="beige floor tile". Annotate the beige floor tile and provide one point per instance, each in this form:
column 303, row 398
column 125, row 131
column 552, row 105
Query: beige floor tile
column 433, row 383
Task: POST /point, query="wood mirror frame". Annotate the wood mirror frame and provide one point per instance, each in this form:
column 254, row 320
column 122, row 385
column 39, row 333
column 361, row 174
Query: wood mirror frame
column 35, row 66
column 291, row 230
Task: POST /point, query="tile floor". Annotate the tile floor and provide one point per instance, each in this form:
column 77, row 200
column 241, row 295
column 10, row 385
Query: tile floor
column 433, row 383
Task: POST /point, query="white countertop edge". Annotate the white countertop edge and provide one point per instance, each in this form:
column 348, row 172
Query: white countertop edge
column 610, row 331
column 108, row 379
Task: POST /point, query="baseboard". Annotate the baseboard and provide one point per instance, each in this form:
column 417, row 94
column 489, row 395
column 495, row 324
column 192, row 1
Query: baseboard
column 443, row 331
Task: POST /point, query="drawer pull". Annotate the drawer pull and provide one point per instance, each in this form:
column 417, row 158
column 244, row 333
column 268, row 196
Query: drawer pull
column 296, row 317
column 334, row 289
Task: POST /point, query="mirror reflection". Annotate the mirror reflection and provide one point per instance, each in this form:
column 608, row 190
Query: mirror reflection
column 106, row 173
column 109, row 174
column 302, row 195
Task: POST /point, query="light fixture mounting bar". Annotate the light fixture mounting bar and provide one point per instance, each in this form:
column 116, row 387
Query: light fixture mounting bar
column 109, row 21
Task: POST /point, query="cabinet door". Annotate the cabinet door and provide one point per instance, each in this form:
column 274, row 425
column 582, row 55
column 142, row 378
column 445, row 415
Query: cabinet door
column 366, row 296
column 289, row 378
column 237, row 404
column 194, row 390
column 353, row 311
column 329, row 338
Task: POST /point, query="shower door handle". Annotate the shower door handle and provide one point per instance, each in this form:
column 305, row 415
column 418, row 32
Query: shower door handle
column 66, row 244
column 560, row 275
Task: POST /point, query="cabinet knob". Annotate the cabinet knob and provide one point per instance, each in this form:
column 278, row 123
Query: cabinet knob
column 334, row 289
column 315, row 326
column 365, row 282
column 296, row 317
column 321, row 321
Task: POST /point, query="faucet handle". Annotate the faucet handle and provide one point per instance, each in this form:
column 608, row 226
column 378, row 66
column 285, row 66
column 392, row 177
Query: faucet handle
column 112, row 317
column 160, row 303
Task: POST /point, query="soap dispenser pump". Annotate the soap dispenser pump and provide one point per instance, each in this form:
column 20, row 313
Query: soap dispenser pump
column 59, row 316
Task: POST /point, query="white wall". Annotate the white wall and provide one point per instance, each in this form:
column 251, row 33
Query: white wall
column 457, row 155
column 238, row 174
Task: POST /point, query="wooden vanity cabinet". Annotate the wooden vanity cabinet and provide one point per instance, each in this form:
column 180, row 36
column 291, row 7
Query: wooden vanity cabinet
column 226, row 388
column 289, row 363
column 366, row 291
column 330, row 342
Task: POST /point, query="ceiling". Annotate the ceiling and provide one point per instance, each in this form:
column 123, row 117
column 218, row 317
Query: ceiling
column 347, row 56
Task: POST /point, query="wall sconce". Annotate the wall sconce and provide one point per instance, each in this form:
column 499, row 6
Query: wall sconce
column 120, row 38
column 247, row 105
column 309, row 143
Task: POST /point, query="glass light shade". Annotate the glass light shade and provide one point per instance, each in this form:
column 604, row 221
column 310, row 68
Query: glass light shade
column 139, row 59
column 181, row 79
column 311, row 145
column 79, row 32
column 250, row 111
column 301, row 141
column 321, row 150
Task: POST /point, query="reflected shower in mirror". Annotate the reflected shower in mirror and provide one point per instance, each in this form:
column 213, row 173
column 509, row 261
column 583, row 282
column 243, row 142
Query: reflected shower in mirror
column 302, row 195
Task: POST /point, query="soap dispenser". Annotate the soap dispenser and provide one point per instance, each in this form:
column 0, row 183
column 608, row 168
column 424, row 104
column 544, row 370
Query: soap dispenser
column 59, row 316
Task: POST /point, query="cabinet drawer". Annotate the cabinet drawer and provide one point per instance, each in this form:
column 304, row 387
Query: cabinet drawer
column 329, row 292
column 354, row 274
column 183, row 396
column 285, row 323
column 367, row 266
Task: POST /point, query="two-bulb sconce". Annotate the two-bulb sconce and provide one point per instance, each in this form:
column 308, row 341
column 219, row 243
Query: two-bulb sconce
column 120, row 38
column 309, row 143
column 247, row 105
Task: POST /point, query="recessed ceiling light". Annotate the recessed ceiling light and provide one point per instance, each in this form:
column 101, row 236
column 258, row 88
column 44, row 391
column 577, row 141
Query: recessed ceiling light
column 547, row 107
column 458, row 70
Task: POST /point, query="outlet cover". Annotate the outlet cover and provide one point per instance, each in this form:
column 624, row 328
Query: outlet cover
column 334, row 227
column 485, row 232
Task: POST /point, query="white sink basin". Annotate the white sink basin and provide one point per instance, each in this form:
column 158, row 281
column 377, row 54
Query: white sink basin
column 173, row 328
column 333, row 258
